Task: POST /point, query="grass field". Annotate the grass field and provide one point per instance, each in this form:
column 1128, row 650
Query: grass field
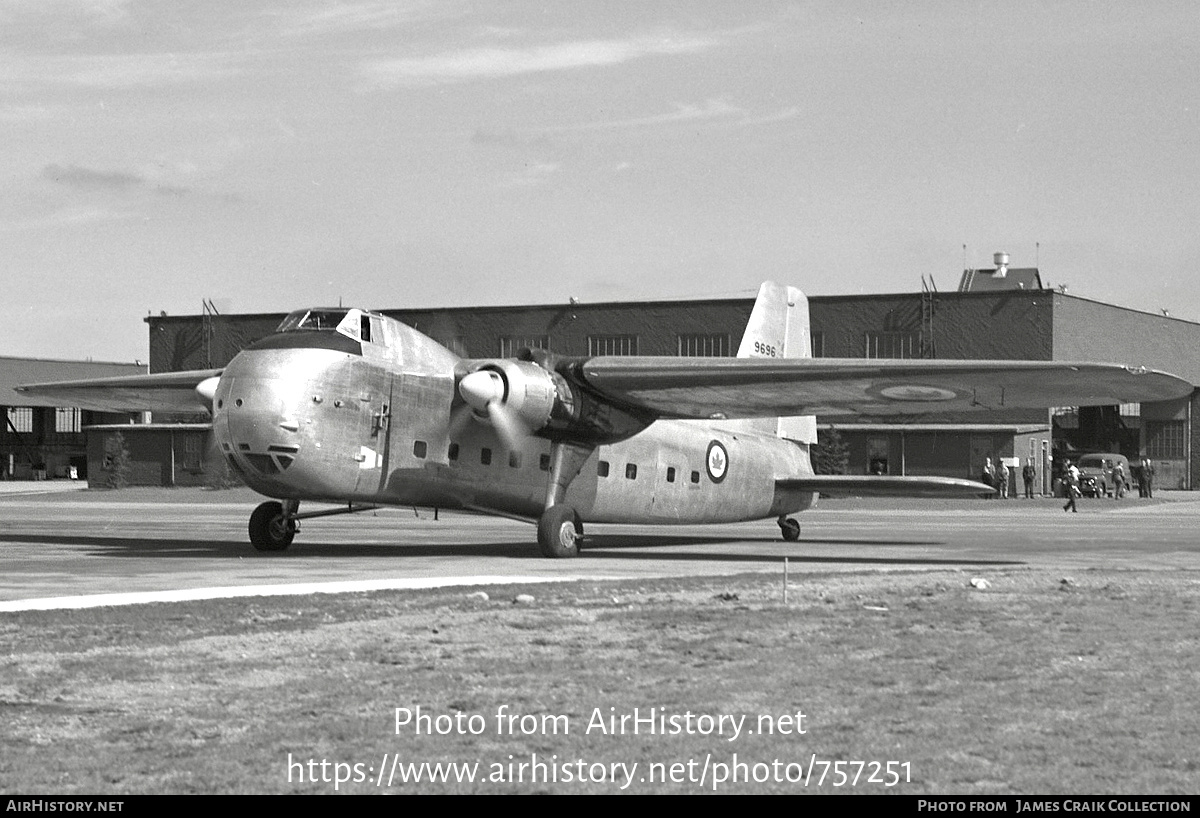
column 1032, row 685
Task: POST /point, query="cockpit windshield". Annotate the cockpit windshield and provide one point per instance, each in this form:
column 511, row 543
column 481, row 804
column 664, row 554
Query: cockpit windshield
column 312, row 319
column 353, row 323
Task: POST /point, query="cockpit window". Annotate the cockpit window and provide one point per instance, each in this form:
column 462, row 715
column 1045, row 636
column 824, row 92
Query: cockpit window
column 312, row 319
column 353, row 323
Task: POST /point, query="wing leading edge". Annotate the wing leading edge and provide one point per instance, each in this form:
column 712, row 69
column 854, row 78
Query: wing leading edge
column 836, row 387
column 190, row 391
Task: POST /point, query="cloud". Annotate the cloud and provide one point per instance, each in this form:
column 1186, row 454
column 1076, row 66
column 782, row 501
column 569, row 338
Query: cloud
column 342, row 18
column 80, row 178
column 489, row 63
column 717, row 109
column 67, row 217
column 114, row 70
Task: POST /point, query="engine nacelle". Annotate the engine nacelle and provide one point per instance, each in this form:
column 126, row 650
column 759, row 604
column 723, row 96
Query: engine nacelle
column 524, row 391
column 544, row 394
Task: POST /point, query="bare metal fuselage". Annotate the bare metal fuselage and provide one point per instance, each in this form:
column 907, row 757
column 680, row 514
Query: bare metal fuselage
column 318, row 422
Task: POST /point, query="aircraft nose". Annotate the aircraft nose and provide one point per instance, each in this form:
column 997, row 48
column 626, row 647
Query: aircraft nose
column 257, row 424
column 257, row 413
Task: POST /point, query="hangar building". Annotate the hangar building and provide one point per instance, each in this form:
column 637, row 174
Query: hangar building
column 998, row 313
column 38, row 438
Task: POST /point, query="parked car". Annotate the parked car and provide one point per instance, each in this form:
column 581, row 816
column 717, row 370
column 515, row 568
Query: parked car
column 1096, row 473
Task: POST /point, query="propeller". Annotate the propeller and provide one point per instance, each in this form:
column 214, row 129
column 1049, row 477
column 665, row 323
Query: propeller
column 486, row 392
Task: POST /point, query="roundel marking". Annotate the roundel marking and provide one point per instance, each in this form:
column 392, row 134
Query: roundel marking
column 716, row 461
column 914, row 392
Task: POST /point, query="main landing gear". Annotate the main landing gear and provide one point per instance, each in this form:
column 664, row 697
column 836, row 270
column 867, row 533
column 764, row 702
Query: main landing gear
column 560, row 531
column 789, row 528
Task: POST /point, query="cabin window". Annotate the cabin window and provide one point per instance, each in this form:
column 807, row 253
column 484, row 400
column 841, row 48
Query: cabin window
column 695, row 477
column 420, row 448
column 485, row 456
column 544, row 462
column 514, row 460
column 631, row 471
column 602, row 468
column 670, row 474
column 452, row 454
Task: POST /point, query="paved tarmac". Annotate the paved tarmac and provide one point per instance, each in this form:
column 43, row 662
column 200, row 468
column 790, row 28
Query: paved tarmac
column 189, row 543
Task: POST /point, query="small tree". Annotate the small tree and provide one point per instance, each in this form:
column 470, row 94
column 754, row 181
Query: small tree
column 118, row 463
column 831, row 455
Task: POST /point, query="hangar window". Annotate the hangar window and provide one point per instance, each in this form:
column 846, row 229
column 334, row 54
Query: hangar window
column 20, row 418
column 485, row 456
column 452, row 452
column 702, row 346
column 510, row 345
column 67, row 420
column 818, row 344
column 602, row 468
column 514, row 460
column 420, row 448
column 1166, row 439
column 670, row 474
column 695, row 477
column 631, row 471
column 544, row 462
column 892, row 345
column 612, row 345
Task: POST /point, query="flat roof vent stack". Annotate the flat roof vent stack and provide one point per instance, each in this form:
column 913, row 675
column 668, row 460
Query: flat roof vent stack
column 1001, row 260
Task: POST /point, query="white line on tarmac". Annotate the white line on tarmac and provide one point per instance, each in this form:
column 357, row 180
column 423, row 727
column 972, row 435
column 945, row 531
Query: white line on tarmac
column 297, row 589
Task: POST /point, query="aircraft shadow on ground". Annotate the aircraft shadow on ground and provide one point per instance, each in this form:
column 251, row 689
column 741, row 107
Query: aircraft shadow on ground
column 616, row 547
column 623, row 548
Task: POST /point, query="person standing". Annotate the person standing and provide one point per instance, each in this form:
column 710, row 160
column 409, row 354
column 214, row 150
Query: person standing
column 1072, row 487
column 1148, row 470
column 1118, row 477
column 1029, row 474
column 989, row 474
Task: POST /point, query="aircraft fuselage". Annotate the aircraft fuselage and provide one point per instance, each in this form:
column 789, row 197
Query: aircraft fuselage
column 320, row 417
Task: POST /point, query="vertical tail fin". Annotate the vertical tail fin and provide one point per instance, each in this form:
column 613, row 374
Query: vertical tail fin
column 778, row 328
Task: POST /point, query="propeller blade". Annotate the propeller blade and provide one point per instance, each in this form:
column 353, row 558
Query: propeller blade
column 507, row 424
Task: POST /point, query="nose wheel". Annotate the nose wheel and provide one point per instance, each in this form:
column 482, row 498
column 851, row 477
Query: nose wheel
column 271, row 527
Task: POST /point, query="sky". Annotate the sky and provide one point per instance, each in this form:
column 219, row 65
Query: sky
column 272, row 154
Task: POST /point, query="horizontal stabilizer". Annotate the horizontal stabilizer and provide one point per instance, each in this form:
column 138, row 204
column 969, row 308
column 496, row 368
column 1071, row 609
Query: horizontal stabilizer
column 886, row 486
column 164, row 392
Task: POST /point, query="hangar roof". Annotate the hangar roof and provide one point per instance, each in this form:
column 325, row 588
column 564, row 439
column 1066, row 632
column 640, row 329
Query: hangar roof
column 17, row 371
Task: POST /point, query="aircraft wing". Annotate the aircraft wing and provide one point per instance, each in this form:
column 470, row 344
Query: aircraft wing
column 165, row 392
column 887, row 486
column 831, row 387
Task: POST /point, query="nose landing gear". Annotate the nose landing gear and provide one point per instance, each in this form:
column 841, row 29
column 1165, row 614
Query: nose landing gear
column 272, row 526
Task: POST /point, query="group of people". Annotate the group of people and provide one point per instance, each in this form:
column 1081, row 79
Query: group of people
column 996, row 476
column 1145, row 480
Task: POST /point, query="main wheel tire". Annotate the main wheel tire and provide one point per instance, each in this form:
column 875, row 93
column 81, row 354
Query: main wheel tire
column 270, row 529
column 790, row 529
column 559, row 532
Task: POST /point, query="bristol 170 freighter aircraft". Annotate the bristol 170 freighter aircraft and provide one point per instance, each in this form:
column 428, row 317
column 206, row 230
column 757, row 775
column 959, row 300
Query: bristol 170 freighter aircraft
column 350, row 407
